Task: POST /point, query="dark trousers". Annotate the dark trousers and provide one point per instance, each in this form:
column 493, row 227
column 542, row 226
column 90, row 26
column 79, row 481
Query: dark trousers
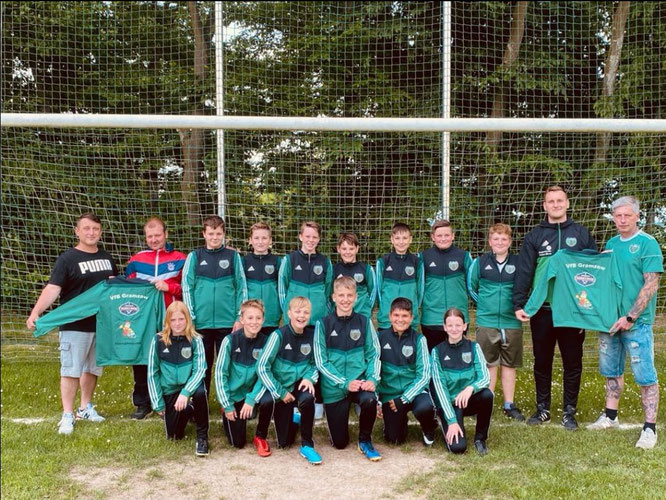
column 140, row 396
column 175, row 421
column 212, row 340
column 434, row 335
column 395, row 422
column 337, row 416
column 570, row 341
column 235, row 429
column 481, row 405
column 283, row 416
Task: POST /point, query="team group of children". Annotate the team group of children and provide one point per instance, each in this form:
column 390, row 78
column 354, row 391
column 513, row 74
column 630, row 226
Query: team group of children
column 327, row 350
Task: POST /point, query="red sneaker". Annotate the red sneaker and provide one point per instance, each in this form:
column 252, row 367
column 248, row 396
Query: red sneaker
column 263, row 450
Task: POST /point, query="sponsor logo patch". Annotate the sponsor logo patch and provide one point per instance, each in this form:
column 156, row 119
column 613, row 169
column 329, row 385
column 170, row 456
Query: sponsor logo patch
column 224, row 264
column 355, row 334
column 358, row 277
column 128, row 309
column 407, row 350
column 318, row 270
column 467, row 357
column 306, row 349
column 510, row 269
column 269, row 268
column 585, row 279
column 453, row 265
column 571, row 242
column 171, row 266
column 186, row 352
column 409, row 270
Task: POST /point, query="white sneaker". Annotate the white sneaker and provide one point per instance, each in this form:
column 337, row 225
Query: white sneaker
column 66, row 424
column 603, row 422
column 648, row 439
column 319, row 411
column 89, row 413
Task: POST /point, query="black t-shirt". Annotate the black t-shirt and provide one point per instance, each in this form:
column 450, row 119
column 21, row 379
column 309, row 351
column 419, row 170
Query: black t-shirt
column 75, row 272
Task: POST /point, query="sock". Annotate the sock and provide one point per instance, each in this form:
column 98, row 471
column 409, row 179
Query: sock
column 612, row 414
column 648, row 425
column 508, row 405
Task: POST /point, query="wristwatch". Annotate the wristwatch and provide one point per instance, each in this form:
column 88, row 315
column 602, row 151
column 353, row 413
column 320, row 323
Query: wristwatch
column 630, row 319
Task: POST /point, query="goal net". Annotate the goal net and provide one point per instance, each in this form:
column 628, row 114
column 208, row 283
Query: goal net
column 556, row 60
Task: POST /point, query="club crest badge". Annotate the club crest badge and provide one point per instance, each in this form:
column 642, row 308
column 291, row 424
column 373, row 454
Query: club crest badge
column 255, row 353
column 358, row 277
column 318, row 270
column 269, row 268
column 126, row 327
column 453, row 265
column 407, row 350
column 510, row 269
column 306, row 349
column 571, row 242
column 409, row 270
column 583, row 301
column 186, row 352
column 355, row 334
column 634, row 248
column 467, row 357
column 128, row 309
column 171, row 266
column 224, row 264
column 585, row 279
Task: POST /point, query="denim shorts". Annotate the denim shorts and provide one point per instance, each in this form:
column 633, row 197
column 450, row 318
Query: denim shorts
column 77, row 354
column 639, row 343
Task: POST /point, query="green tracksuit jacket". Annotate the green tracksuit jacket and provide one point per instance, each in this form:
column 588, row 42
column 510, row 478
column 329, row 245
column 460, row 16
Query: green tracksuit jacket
column 214, row 287
column 364, row 276
column 176, row 368
column 405, row 365
column 399, row 276
column 454, row 367
column 261, row 275
column 129, row 312
column 309, row 276
column 287, row 358
column 235, row 370
column 346, row 349
column 445, row 276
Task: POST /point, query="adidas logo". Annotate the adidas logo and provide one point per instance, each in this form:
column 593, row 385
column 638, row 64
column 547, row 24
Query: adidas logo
column 488, row 267
column 340, row 275
column 203, row 263
column 237, row 349
column 389, row 268
column 334, row 333
column 251, row 268
column 446, row 358
column 387, row 346
column 166, row 350
column 545, row 243
column 288, row 347
column 432, row 264
column 298, row 268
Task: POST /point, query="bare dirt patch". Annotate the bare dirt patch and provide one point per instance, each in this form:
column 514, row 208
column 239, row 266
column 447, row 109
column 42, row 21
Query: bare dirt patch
column 242, row 474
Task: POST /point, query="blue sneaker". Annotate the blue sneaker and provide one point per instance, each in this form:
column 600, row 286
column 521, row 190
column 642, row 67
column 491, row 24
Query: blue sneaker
column 309, row 453
column 369, row 451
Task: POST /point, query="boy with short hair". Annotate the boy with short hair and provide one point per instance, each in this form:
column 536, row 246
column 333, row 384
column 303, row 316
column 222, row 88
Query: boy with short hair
column 213, row 289
column 498, row 331
column 445, row 269
column 287, row 369
column 261, row 273
column 399, row 274
column 405, row 376
column 346, row 354
column 238, row 387
column 306, row 272
column 362, row 273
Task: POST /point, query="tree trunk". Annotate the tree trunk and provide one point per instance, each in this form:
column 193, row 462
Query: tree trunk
column 192, row 140
column 510, row 55
column 610, row 73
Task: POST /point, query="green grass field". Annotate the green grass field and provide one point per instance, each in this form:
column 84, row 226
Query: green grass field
column 524, row 462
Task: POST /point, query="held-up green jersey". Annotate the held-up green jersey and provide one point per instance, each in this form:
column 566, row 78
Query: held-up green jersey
column 179, row 367
column 129, row 312
column 636, row 255
column 585, row 290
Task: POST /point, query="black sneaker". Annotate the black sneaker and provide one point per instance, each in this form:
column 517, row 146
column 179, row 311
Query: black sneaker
column 481, row 447
column 429, row 438
column 569, row 419
column 141, row 412
column 541, row 415
column 514, row 413
column 202, row 447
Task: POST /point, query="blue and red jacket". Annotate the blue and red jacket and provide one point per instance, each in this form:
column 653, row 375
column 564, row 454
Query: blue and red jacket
column 163, row 264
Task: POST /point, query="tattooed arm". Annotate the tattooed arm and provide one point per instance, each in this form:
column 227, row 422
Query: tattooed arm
column 650, row 286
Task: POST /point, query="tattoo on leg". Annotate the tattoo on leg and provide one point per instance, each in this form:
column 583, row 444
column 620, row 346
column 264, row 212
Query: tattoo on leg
column 650, row 400
column 613, row 389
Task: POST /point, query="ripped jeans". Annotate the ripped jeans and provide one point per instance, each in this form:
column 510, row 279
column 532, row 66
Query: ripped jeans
column 639, row 343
